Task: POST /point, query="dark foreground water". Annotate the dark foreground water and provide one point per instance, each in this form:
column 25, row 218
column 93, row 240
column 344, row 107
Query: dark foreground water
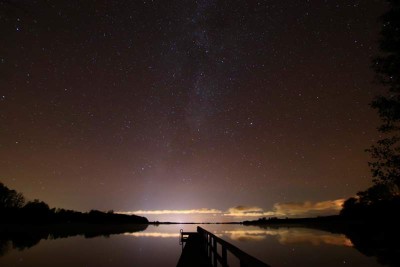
column 159, row 246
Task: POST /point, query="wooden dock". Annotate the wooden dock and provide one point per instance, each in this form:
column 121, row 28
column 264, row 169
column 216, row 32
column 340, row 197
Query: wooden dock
column 205, row 249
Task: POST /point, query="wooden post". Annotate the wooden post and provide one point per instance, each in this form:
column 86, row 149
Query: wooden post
column 224, row 257
column 209, row 247
column 215, row 252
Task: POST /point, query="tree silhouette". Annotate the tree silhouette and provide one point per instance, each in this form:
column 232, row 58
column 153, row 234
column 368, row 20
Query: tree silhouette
column 37, row 206
column 383, row 198
column 10, row 198
column 14, row 210
column 36, row 211
column 385, row 166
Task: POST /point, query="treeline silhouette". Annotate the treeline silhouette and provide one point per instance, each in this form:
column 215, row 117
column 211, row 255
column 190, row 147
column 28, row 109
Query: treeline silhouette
column 14, row 209
column 301, row 221
column 371, row 210
column 382, row 199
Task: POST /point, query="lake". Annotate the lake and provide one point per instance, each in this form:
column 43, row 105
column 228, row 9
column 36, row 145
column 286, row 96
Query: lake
column 159, row 246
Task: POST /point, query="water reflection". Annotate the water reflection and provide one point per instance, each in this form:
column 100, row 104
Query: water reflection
column 372, row 240
column 315, row 238
column 154, row 234
column 279, row 246
column 243, row 235
column 287, row 236
column 24, row 237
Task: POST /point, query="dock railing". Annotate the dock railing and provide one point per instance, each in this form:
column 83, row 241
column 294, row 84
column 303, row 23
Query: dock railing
column 184, row 237
column 210, row 244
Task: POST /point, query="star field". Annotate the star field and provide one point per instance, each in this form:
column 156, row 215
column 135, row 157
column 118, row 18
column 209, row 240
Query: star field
column 132, row 105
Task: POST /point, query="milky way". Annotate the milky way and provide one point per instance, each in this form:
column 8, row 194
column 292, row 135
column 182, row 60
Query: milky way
column 182, row 105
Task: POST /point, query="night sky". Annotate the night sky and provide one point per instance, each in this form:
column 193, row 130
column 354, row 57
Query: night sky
column 218, row 109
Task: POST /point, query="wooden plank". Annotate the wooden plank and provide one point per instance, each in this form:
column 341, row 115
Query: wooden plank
column 201, row 250
column 192, row 254
column 244, row 258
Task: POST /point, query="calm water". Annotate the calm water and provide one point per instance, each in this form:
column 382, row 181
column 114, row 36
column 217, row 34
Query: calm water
column 159, row 246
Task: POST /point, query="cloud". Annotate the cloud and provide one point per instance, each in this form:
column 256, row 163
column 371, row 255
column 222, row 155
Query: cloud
column 309, row 208
column 300, row 209
column 161, row 212
column 247, row 211
column 154, row 234
column 244, row 209
column 293, row 209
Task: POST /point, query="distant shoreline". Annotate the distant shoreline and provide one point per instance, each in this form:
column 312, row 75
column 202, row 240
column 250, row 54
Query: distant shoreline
column 162, row 223
column 310, row 221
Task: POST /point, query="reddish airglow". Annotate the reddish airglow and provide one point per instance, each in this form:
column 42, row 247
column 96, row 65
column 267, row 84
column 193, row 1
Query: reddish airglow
column 165, row 107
